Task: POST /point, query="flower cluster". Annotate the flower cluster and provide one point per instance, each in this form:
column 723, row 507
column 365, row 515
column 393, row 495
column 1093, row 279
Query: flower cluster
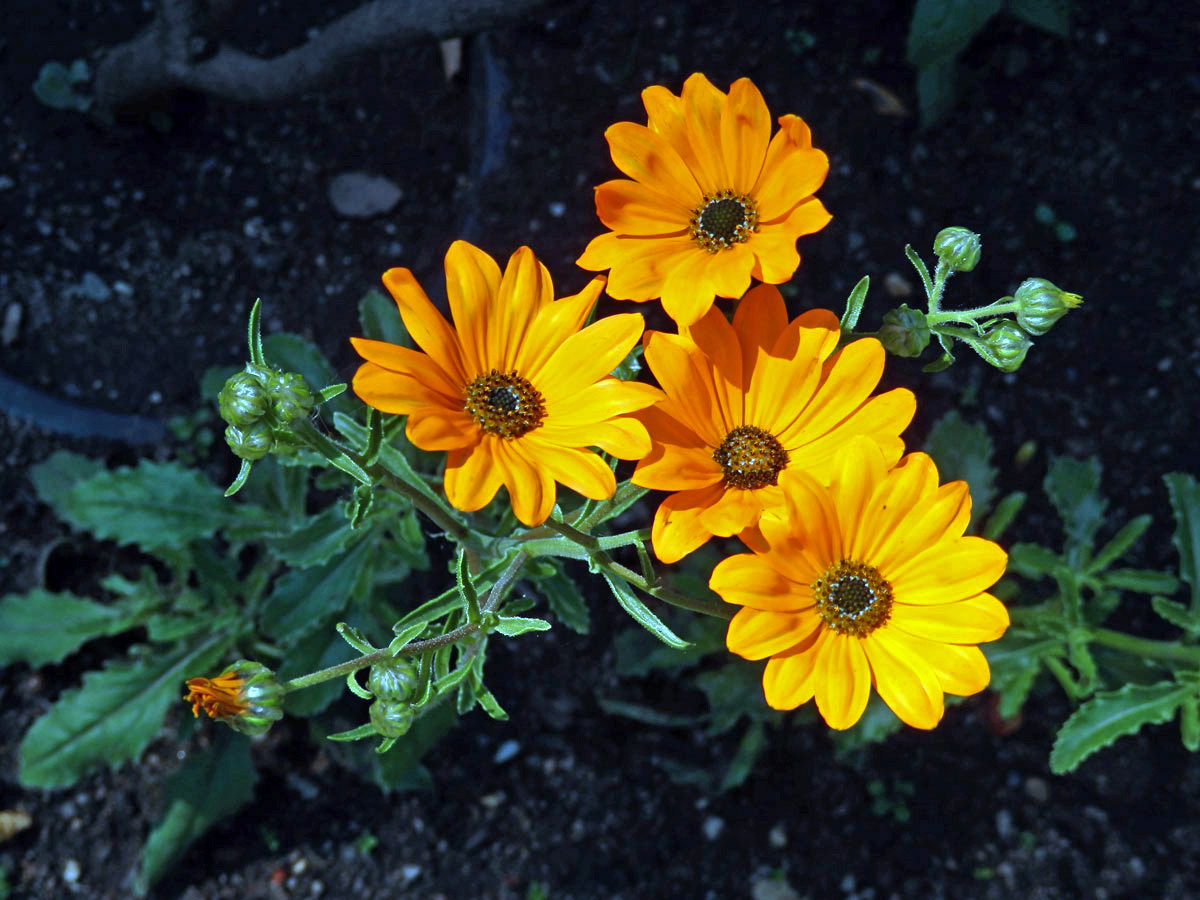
column 762, row 427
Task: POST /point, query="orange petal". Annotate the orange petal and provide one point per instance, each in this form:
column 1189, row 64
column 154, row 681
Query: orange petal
column 745, row 134
column 624, row 437
column 843, row 681
column 472, row 476
column 640, row 265
column 758, row 320
column 391, row 392
column 702, row 105
column 677, row 529
column 670, row 467
column 531, row 487
column 588, row 356
column 436, row 429
column 880, row 419
column 647, row 157
column 790, row 679
column 411, row 363
column 691, row 386
column 791, row 171
column 735, row 511
column 554, row 323
column 425, row 324
column 580, row 470
column 665, row 115
column 472, row 281
column 756, row 634
column 850, row 377
column 970, row 621
column 907, row 683
column 631, row 208
column 525, row 288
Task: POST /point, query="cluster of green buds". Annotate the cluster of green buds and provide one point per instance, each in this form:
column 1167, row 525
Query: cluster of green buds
column 260, row 404
column 1004, row 342
column 393, row 683
column 246, row 697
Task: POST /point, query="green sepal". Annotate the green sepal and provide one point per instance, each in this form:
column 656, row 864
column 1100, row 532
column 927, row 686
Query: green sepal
column 357, row 689
column 406, row 636
column 254, row 334
column 212, row 785
column 355, row 638
column 511, row 626
column 328, row 393
column 855, row 302
column 354, row 734
column 922, row 269
column 640, row 613
column 113, row 716
column 1111, row 715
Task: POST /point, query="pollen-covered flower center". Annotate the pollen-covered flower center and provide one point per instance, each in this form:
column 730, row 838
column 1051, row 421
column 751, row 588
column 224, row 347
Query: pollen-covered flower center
column 853, row 598
column 722, row 220
column 504, row 404
column 751, row 458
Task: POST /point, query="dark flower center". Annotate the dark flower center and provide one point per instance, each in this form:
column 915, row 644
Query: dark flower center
column 853, row 598
column 504, row 404
column 722, row 220
column 751, row 458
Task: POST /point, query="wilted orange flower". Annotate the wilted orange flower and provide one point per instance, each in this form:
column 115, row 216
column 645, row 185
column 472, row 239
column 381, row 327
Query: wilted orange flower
column 516, row 390
column 747, row 401
column 246, row 697
column 868, row 581
column 219, row 697
column 714, row 200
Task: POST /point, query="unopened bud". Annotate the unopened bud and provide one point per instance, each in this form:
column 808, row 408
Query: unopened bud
column 391, row 718
column 393, row 679
column 252, row 442
column 1006, row 345
column 1041, row 304
column 243, row 399
column 958, row 248
column 290, row 396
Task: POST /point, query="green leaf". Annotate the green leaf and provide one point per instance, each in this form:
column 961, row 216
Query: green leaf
column 1002, row 516
column 1110, row 715
column 646, row 714
column 1189, row 722
column 399, row 769
column 854, row 303
column 1143, row 581
column 1185, row 502
column 155, row 505
column 212, row 785
column 641, row 614
column 54, row 478
column 733, row 690
column 1015, row 661
column 380, row 319
column 565, row 601
column 749, row 748
column 511, row 626
column 941, row 29
column 1053, row 16
column 1073, row 486
column 964, row 451
column 305, row 598
column 389, row 457
column 877, row 723
column 315, row 540
column 43, row 627
column 1033, row 560
column 1175, row 613
column 1119, row 544
column 639, row 654
column 113, row 715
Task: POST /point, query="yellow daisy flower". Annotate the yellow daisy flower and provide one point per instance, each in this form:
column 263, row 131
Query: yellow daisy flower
column 747, row 400
column 516, row 390
column 715, row 199
column 868, row 581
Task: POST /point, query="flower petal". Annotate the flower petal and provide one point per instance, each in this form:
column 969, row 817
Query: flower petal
column 677, row 529
column 531, row 488
column 434, row 428
column 580, row 470
column 631, row 208
column 790, row 679
column 525, row 288
column 640, row 265
column 647, row 158
column 749, row 580
column 588, row 355
column 961, row 670
column 948, row 571
column 757, row 634
column 472, row 281
column 472, row 476
column 745, row 134
column 425, row 325
column 702, row 105
column 970, row 621
column 774, row 245
column 791, row 171
column 734, row 511
column 554, row 323
column 908, row 684
column 392, row 392
column 843, row 681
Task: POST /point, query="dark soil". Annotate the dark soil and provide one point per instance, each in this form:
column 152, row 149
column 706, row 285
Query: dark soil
column 182, row 230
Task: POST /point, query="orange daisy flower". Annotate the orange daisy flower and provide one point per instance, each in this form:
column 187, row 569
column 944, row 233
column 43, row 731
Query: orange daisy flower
column 516, row 390
column 867, row 581
column 747, row 401
column 714, row 200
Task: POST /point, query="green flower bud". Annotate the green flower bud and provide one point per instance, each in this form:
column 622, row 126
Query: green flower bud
column 243, row 400
column 391, row 718
column 1042, row 304
column 959, row 248
column 395, row 679
column 1005, row 345
column 246, row 697
column 904, row 331
column 290, row 396
column 252, row 442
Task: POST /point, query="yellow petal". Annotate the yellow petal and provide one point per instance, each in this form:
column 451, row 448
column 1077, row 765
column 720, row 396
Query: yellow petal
column 749, row 580
column 907, row 683
column 665, row 115
column 756, row 634
column 948, row 571
column 843, row 681
column 596, row 402
column 472, row 476
column 580, row 470
column 640, row 265
column 970, row 621
column 774, row 245
column 941, row 514
column 745, row 134
column 702, row 105
column 524, row 289
column 434, row 428
column 672, row 467
column 531, row 487
column 734, row 511
column 631, row 208
column 790, row 679
column 587, row 356
column 691, row 386
column 961, row 670
column 554, row 323
column 392, row 392
column 791, row 171
column 891, row 502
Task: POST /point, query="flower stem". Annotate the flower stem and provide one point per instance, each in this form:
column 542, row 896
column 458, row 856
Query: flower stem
column 601, row 558
column 1166, row 651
